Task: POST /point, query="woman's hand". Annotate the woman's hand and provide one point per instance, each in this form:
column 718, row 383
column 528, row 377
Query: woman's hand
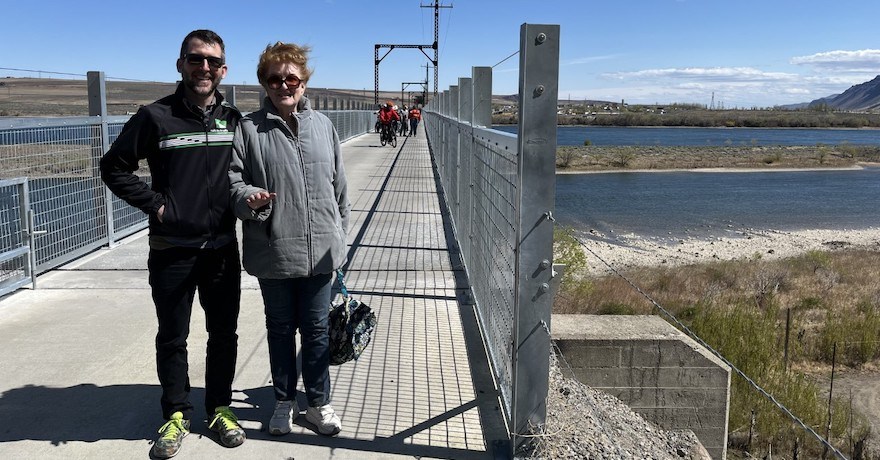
column 260, row 199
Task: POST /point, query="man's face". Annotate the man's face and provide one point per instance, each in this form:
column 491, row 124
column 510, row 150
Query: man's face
column 202, row 67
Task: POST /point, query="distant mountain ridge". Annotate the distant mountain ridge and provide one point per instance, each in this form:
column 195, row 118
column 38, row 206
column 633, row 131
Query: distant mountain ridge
column 862, row 97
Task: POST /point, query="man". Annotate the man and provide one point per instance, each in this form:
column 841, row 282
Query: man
column 186, row 139
column 415, row 115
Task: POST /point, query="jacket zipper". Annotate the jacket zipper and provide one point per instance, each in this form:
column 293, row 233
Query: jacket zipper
column 207, row 119
column 302, row 167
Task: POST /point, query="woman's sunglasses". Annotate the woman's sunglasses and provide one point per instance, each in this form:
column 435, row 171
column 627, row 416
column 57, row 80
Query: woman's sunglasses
column 275, row 81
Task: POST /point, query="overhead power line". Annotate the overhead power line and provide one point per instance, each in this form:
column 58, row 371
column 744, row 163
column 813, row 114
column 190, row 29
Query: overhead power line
column 73, row 74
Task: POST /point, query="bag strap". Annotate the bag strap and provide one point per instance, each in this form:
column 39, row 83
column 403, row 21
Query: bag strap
column 341, row 280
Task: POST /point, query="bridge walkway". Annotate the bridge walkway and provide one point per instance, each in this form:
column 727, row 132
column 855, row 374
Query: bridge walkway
column 79, row 378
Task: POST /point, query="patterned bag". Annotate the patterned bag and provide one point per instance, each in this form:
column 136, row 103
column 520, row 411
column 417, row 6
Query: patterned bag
column 351, row 327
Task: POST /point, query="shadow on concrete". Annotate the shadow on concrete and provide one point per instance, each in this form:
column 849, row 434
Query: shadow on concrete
column 84, row 412
column 260, row 403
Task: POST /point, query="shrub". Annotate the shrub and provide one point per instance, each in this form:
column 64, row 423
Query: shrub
column 622, row 159
column 574, row 286
column 616, row 309
column 857, row 336
column 564, row 156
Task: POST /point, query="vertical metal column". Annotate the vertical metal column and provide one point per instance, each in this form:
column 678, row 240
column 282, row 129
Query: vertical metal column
column 230, row 95
column 27, row 219
column 538, row 91
column 454, row 144
column 97, row 93
column 482, row 96
column 465, row 158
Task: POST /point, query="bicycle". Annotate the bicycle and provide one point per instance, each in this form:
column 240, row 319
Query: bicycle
column 388, row 136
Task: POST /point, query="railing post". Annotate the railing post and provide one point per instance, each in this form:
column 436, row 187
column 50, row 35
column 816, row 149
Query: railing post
column 455, row 144
column 465, row 156
column 230, row 95
column 538, row 91
column 97, row 94
column 482, row 77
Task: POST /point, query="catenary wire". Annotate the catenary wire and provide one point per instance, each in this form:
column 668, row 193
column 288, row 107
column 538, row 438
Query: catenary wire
column 508, row 57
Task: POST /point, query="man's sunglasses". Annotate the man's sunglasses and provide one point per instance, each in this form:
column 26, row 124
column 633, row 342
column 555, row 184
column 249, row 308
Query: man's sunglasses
column 197, row 59
column 275, row 81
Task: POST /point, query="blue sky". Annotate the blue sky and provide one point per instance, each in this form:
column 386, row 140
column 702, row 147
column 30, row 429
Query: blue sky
column 750, row 53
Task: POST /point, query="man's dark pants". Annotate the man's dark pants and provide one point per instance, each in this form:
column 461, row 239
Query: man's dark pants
column 175, row 275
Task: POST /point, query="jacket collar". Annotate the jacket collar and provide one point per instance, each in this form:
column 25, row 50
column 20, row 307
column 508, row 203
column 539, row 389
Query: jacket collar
column 181, row 95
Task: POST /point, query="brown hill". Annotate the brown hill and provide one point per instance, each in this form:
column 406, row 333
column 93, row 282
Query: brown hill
column 49, row 97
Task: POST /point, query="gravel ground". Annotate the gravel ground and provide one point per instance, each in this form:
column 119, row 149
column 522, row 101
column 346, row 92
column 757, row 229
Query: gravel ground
column 583, row 423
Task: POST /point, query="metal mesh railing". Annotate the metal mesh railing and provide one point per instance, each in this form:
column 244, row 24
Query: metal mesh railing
column 14, row 250
column 485, row 218
column 351, row 123
column 59, row 160
column 499, row 191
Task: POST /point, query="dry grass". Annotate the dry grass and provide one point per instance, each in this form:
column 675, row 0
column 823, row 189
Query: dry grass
column 825, row 290
column 740, row 309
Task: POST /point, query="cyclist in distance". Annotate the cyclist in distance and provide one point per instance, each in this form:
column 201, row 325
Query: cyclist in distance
column 387, row 115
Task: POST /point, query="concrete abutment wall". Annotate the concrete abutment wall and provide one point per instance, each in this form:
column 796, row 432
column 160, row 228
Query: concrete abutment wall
column 652, row 367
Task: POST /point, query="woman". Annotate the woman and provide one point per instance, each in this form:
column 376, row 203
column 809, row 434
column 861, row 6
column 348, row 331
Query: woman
column 289, row 188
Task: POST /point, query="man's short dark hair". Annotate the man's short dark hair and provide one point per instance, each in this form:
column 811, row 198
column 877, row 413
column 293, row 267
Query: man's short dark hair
column 208, row 36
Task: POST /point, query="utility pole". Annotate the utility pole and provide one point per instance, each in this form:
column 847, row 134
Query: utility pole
column 436, row 7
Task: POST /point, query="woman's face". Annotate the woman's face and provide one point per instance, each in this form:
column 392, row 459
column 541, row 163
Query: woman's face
column 284, row 86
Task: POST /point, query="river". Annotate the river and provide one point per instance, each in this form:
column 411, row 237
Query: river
column 711, row 204
column 605, row 135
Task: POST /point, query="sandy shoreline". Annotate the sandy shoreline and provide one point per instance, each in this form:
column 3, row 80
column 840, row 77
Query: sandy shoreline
column 630, row 250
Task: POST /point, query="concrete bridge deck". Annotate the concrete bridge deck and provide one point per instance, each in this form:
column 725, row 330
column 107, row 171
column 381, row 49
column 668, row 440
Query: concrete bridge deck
column 78, row 361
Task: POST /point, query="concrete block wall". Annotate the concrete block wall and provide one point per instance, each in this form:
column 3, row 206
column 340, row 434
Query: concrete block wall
column 652, row 367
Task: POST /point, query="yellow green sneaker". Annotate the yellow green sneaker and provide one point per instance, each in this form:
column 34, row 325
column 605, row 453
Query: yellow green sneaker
column 171, row 435
column 225, row 423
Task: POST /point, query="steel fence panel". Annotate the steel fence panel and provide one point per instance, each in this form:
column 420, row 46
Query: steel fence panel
column 498, row 190
column 57, row 157
column 15, row 261
column 60, row 157
column 127, row 220
column 490, row 259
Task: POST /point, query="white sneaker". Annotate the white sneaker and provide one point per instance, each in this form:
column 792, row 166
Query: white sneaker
column 325, row 419
column 282, row 419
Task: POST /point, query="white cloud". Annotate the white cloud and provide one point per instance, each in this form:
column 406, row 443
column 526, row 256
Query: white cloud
column 741, row 74
column 589, row 59
column 843, row 61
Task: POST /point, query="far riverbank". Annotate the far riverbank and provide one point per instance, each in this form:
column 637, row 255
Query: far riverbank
column 652, row 158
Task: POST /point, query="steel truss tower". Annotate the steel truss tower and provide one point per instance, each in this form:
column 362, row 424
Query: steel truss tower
column 422, row 48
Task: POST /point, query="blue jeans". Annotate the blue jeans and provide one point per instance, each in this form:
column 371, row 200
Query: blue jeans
column 302, row 304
